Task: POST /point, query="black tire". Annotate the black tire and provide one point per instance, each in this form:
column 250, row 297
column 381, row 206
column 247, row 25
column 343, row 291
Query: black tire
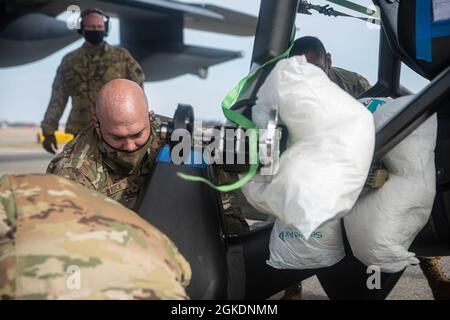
column 347, row 280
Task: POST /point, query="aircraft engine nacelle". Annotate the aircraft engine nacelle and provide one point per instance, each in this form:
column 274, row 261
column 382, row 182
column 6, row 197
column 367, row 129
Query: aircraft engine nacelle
column 158, row 45
column 32, row 36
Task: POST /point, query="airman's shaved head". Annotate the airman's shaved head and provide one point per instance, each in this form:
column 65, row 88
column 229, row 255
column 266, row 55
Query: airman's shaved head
column 122, row 112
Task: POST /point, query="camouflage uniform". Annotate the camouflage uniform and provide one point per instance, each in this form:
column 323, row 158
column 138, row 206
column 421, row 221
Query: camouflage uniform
column 82, row 161
column 81, row 75
column 59, row 240
column 351, row 82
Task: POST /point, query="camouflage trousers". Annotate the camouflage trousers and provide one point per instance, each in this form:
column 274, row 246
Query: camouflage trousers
column 437, row 280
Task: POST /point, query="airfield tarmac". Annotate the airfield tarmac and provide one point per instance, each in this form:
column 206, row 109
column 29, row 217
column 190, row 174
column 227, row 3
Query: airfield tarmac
column 20, row 153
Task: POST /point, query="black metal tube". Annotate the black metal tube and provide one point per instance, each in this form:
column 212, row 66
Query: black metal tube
column 389, row 68
column 273, row 32
column 434, row 96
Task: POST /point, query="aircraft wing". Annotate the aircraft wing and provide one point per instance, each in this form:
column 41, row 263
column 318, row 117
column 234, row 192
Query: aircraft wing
column 232, row 22
column 185, row 60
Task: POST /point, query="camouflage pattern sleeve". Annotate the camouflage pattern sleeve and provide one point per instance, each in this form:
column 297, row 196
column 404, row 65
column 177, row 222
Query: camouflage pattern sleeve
column 72, row 169
column 73, row 243
column 7, row 219
column 364, row 84
column 155, row 123
column 76, row 175
column 134, row 70
column 57, row 103
column 351, row 82
column 157, row 143
column 7, row 232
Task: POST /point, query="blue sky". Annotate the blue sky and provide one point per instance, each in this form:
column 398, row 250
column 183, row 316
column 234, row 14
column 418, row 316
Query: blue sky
column 25, row 90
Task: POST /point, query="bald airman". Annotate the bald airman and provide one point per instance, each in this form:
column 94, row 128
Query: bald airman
column 115, row 154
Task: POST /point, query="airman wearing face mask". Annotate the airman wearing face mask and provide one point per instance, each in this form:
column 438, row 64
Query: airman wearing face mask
column 115, row 154
column 81, row 75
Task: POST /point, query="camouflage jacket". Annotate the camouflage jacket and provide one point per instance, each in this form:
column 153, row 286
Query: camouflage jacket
column 351, row 82
column 81, row 75
column 82, row 161
column 59, row 240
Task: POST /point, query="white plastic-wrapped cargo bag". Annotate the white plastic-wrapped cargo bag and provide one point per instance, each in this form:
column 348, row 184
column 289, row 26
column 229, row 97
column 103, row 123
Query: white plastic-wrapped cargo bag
column 290, row 250
column 384, row 222
column 331, row 142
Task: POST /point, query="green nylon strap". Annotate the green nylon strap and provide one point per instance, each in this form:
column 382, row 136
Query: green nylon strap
column 234, row 94
column 253, row 140
column 245, row 123
column 355, row 7
column 336, row 13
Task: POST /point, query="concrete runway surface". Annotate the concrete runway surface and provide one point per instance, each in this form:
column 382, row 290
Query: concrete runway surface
column 20, row 153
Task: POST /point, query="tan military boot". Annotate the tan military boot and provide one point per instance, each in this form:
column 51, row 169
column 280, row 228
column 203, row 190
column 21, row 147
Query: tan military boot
column 438, row 282
column 293, row 293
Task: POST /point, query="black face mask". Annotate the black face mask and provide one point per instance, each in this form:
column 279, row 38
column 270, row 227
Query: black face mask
column 122, row 161
column 94, row 36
